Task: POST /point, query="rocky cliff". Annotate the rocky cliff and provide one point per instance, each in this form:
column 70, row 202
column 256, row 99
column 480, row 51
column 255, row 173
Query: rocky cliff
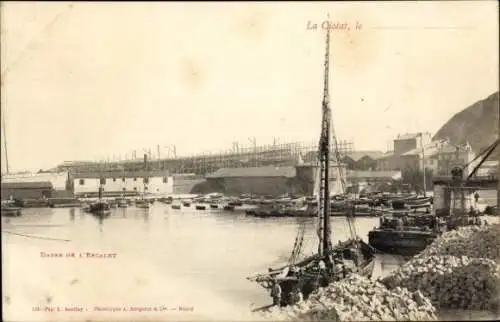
column 476, row 124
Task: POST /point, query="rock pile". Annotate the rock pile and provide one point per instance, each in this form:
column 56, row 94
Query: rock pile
column 459, row 270
column 357, row 298
column 451, row 282
column 470, row 241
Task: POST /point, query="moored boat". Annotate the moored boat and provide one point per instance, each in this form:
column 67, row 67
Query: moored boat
column 299, row 278
column 9, row 210
column 100, row 208
column 31, row 203
column 142, row 203
column 200, row 207
column 406, row 242
column 63, row 202
column 167, row 200
column 122, row 203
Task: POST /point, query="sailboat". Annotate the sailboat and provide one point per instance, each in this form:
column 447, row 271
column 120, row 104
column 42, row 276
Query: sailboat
column 100, row 208
column 8, row 207
column 330, row 263
column 143, row 202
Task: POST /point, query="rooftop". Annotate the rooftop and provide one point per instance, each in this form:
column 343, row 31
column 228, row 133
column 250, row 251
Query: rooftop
column 409, row 136
column 386, row 155
column 436, row 147
column 27, row 185
column 120, row 174
column 358, row 155
column 374, row 174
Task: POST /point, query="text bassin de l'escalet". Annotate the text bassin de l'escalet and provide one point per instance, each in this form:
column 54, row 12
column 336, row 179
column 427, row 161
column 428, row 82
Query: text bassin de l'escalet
column 77, row 255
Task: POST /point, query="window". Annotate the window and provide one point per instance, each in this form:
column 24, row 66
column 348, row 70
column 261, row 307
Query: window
column 124, row 189
column 145, row 180
column 82, row 182
column 135, row 179
column 165, row 180
column 135, row 188
column 145, row 188
column 114, row 179
column 102, row 180
column 123, row 179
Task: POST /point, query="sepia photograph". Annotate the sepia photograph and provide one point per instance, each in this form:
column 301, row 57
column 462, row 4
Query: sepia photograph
column 250, row 161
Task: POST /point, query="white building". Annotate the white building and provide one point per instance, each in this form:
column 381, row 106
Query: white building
column 440, row 157
column 126, row 183
column 58, row 180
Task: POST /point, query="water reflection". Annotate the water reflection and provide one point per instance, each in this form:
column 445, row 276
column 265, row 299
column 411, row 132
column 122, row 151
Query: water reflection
column 101, row 223
column 208, row 250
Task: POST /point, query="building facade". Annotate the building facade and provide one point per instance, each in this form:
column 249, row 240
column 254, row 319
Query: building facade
column 409, row 141
column 26, row 190
column 362, row 160
column 439, row 157
column 397, row 159
column 124, row 183
column 37, row 185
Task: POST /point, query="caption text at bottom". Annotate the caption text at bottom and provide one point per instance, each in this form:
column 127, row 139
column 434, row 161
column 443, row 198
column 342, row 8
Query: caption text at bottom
column 161, row 308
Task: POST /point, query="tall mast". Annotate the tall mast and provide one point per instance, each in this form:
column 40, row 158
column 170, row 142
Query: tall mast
column 5, row 143
column 324, row 161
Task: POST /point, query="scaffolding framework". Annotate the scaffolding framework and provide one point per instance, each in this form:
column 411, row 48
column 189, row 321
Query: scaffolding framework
column 282, row 154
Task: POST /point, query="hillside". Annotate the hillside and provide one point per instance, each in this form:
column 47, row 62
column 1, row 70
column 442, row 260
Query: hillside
column 477, row 124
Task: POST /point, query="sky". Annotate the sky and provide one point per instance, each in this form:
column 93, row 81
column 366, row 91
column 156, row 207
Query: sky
column 88, row 81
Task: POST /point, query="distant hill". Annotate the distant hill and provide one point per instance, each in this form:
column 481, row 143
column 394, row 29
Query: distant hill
column 477, row 124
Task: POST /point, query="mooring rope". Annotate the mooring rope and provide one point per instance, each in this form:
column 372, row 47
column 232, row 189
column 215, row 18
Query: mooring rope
column 36, row 237
column 34, row 225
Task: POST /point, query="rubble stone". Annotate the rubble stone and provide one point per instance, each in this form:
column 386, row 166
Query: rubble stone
column 357, row 298
column 467, row 242
column 459, row 270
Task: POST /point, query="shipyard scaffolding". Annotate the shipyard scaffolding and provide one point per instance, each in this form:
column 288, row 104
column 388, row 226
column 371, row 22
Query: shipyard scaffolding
column 240, row 156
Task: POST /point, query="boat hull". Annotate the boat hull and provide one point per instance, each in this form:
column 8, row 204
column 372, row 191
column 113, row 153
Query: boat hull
column 400, row 242
column 11, row 212
column 65, row 205
column 358, row 252
column 99, row 209
column 101, row 213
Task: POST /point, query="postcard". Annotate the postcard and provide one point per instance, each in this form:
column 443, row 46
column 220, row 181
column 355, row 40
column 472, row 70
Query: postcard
column 250, row 161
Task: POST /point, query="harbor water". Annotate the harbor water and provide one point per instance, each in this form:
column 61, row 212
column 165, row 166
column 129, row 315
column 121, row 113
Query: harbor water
column 140, row 264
